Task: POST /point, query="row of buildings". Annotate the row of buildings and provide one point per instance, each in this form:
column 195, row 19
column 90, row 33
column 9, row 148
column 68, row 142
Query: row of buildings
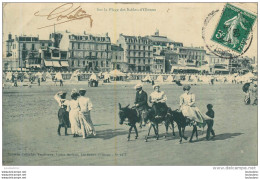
column 68, row 51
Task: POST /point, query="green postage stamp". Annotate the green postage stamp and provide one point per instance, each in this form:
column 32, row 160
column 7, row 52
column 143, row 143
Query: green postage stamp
column 234, row 28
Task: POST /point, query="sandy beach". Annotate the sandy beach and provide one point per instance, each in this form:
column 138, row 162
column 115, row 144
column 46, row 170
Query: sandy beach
column 30, row 128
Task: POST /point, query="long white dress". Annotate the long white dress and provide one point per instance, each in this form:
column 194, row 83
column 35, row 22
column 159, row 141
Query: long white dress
column 189, row 110
column 87, row 127
column 73, row 108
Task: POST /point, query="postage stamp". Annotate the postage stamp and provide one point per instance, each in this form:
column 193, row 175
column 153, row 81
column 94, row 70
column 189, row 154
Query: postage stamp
column 234, row 28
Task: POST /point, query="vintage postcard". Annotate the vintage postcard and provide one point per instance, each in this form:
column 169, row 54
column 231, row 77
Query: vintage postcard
column 130, row 84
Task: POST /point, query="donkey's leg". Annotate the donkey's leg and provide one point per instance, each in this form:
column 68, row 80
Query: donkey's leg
column 129, row 133
column 157, row 128
column 183, row 130
column 180, row 134
column 166, row 127
column 172, row 123
column 59, row 127
column 196, row 130
column 193, row 131
column 136, row 132
column 146, row 137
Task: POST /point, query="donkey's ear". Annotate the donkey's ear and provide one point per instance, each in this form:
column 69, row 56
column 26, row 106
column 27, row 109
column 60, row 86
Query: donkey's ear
column 119, row 106
column 127, row 106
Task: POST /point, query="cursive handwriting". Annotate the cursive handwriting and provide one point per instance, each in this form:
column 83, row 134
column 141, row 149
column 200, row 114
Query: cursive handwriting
column 65, row 13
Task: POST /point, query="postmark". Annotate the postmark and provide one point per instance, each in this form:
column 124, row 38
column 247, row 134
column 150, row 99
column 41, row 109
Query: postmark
column 219, row 47
column 234, row 28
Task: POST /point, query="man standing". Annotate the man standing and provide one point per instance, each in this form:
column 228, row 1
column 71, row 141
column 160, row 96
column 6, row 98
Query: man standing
column 85, row 104
column 141, row 102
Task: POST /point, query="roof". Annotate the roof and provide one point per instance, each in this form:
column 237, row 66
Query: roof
column 160, row 39
column 193, row 48
column 115, row 47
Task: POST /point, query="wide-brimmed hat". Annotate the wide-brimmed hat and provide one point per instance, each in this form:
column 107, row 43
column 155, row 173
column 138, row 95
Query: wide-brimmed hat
column 186, row 87
column 82, row 89
column 74, row 91
column 138, row 86
column 154, row 86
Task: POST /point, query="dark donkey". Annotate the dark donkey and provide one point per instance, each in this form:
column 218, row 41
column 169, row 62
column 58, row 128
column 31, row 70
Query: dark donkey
column 131, row 115
column 182, row 122
column 154, row 123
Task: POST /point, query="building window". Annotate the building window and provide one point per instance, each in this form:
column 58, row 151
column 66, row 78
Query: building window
column 42, row 44
column 101, row 63
column 107, row 63
column 143, row 61
column 149, row 61
column 139, row 61
column 78, row 62
column 128, row 60
column 78, row 45
column 83, row 63
column 72, row 44
column 24, row 46
column 72, row 63
column 116, row 57
column 33, row 48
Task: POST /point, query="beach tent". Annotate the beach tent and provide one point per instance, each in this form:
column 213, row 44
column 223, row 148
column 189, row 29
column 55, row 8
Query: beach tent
column 58, row 76
column 48, row 76
column 93, row 77
column 9, row 76
column 169, row 78
column 249, row 75
column 74, row 76
column 116, row 73
column 106, row 76
column 160, row 78
column 147, row 78
column 38, row 75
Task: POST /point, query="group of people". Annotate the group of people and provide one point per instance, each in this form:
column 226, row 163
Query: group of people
column 187, row 106
column 75, row 113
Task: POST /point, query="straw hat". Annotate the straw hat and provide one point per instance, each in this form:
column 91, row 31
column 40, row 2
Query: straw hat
column 138, row 86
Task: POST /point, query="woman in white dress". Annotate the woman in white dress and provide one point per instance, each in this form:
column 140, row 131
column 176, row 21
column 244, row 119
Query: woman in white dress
column 74, row 108
column 188, row 108
column 87, row 127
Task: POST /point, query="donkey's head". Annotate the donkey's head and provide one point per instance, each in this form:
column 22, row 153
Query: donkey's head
column 123, row 113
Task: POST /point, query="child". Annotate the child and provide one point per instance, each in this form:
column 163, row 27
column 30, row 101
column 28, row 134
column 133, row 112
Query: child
column 63, row 114
column 210, row 113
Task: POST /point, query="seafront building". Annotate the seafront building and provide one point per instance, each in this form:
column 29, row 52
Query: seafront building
column 138, row 53
column 87, row 52
column 23, row 52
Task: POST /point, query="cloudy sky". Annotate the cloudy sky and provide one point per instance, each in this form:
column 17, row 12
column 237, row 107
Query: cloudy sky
column 181, row 22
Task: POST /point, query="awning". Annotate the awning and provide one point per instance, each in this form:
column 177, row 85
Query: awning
column 64, row 63
column 48, row 63
column 56, row 64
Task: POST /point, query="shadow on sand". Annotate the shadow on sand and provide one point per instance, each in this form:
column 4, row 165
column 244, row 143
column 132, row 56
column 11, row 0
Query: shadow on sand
column 111, row 133
column 200, row 133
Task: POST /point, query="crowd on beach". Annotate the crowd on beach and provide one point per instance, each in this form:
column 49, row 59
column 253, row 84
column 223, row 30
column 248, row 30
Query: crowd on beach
column 29, row 78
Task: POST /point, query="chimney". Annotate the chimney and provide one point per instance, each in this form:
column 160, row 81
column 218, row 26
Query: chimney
column 9, row 36
column 85, row 33
column 107, row 34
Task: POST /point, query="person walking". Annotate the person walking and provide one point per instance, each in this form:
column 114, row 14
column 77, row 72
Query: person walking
column 210, row 122
column 87, row 127
column 63, row 114
column 74, row 109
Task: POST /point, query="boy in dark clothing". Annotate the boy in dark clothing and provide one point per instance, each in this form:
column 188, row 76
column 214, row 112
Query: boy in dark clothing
column 210, row 122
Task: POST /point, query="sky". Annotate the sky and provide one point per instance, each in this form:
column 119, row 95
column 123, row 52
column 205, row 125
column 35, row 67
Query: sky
column 181, row 22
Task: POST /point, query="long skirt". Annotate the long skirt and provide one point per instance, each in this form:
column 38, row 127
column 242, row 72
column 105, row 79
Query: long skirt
column 87, row 127
column 74, row 121
column 194, row 114
column 63, row 117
